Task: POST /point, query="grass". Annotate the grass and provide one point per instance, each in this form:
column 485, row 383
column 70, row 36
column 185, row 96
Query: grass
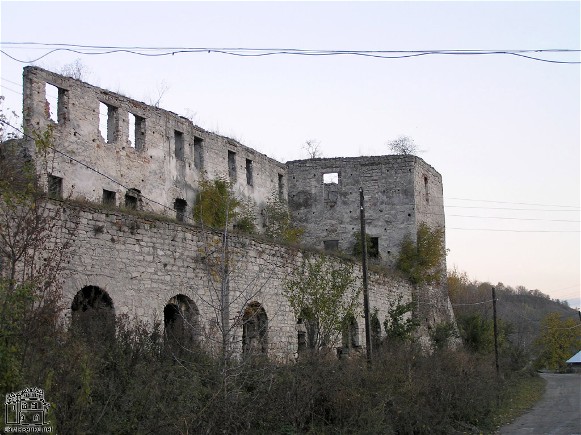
column 522, row 395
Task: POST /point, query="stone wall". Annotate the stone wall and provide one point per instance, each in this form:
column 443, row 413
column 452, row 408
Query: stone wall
column 400, row 192
column 159, row 153
column 143, row 262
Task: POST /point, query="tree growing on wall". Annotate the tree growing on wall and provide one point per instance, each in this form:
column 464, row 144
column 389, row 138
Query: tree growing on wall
column 403, row 145
column 322, row 294
column 278, row 224
column 216, row 204
column 421, row 261
column 313, row 148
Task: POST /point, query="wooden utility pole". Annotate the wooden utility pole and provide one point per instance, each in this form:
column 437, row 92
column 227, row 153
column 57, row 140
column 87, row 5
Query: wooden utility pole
column 364, row 271
column 495, row 330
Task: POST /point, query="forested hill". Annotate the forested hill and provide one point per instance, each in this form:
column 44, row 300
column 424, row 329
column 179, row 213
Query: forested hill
column 520, row 310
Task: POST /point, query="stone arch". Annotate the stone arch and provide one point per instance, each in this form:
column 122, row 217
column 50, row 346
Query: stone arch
column 254, row 330
column 350, row 335
column 181, row 320
column 93, row 314
column 307, row 331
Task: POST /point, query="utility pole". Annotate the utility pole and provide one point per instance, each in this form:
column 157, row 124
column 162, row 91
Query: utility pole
column 495, row 331
column 364, row 271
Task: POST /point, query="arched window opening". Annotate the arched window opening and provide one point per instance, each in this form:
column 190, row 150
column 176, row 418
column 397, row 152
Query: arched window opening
column 181, row 323
column 307, row 332
column 92, row 313
column 350, row 336
column 254, row 330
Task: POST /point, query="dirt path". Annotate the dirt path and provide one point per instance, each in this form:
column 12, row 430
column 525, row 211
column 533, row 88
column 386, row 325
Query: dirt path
column 557, row 413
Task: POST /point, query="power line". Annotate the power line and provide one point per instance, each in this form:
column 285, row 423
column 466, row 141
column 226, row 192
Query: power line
column 513, row 231
column 509, row 202
column 262, row 52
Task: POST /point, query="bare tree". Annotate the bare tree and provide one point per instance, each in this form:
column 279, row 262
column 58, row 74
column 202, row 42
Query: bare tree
column 403, row 145
column 76, row 70
column 313, row 148
column 161, row 90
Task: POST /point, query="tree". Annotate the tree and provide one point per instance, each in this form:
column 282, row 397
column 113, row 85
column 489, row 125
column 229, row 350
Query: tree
column 76, row 70
column 313, row 148
column 217, row 205
column 35, row 241
column 278, row 224
column 422, row 261
column 322, row 294
column 403, row 145
column 558, row 341
column 400, row 324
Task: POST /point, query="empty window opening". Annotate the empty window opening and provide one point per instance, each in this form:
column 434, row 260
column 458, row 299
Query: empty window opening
column 109, row 198
column 331, row 245
column 133, row 199
column 198, row 153
column 108, row 122
column 181, row 324
column 180, row 207
column 426, row 191
column 373, row 248
column 232, row 165
column 249, row 176
column 254, row 330
column 331, row 178
column 136, row 131
column 55, row 186
column 280, row 186
column 56, row 102
column 179, row 144
column 93, row 315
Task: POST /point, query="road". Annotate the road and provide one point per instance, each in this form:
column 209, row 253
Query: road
column 557, row 413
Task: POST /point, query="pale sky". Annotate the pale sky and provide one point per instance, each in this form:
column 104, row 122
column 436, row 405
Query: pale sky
column 503, row 131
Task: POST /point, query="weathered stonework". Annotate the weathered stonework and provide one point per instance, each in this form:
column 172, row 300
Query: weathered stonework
column 142, row 263
column 164, row 159
column 400, row 192
column 146, row 267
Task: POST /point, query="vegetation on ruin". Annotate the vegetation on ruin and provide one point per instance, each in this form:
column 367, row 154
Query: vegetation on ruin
column 372, row 251
column 216, row 205
column 322, row 293
column 422, row 260
column 278, row 224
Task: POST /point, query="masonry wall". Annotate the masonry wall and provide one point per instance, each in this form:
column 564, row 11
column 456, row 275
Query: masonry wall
column 400, row 192
column 142, row 263
column 164, row 156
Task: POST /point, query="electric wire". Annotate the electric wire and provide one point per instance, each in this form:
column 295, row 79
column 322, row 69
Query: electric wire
column 263, row 52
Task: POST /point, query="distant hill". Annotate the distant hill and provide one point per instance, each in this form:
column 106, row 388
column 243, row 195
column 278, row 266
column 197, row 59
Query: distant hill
column 522, row 309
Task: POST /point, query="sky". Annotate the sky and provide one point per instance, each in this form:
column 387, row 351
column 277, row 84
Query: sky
column 503, row 131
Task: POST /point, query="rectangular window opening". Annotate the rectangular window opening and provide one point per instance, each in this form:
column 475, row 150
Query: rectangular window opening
column 180, row 207
column 108, row 122
column 373, row 248
column 198, row 153
column 232, row 165
column 55, row 186
column 426, row 191
column 179, row 144
column 132, row 198
column 331, row 245
column 109, row 198
column 280, row 186
column 331, row 178
column 56, row 100
column 249, row 176
column 136, row 132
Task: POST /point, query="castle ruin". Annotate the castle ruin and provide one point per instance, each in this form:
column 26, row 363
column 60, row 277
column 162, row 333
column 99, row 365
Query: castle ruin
column 152, row 160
